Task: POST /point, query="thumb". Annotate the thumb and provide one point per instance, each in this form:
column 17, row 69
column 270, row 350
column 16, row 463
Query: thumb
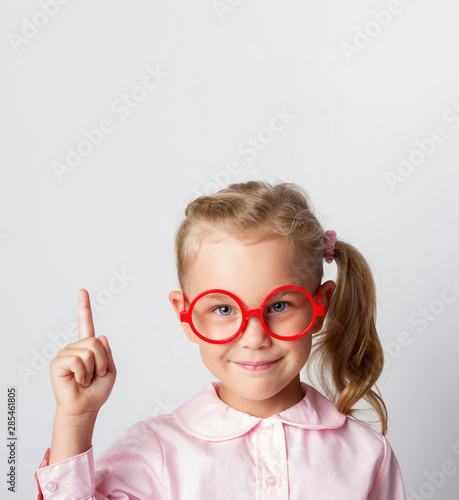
column 110, row 363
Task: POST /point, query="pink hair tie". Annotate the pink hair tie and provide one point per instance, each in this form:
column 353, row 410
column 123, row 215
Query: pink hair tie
column 329, row 252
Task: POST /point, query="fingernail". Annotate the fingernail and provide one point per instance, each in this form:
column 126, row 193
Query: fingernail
column 103, row 372
column 87, row 383
column 83, row 382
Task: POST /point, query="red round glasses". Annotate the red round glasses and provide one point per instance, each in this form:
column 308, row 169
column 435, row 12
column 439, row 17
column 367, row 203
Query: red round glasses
column 296, row 317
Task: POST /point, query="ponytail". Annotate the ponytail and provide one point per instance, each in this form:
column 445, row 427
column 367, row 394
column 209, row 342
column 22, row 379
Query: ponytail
column 348, row 347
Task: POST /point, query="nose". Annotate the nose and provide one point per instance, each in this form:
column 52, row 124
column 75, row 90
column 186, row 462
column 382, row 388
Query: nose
column 254, row 332
column 253, row 312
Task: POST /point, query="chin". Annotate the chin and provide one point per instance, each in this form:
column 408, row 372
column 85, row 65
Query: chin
column 256, row 389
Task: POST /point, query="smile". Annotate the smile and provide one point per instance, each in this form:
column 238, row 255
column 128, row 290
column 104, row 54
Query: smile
column 257, row 367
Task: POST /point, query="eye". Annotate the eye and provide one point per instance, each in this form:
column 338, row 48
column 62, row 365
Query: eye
column 280, row 306
column 226, row 308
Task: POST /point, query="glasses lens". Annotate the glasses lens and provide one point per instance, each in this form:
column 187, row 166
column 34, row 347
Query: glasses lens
column 216, row 316
column 288, row 313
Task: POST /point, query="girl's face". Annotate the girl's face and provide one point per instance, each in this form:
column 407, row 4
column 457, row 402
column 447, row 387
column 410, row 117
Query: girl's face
column 251, row 271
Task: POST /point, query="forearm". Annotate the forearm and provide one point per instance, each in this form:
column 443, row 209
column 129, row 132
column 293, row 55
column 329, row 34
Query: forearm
column 71, row 436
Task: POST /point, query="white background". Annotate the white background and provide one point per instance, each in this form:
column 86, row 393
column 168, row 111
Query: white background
column 353, row 118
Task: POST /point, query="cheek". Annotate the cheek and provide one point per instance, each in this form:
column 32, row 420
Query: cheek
column 302, row 349
column 211, row 353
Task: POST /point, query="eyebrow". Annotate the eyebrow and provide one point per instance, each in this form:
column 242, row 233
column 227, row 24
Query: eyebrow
column 220, row 296
column 284, row 293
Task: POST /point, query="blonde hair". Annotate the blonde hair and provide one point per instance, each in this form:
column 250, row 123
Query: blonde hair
column 347, row 349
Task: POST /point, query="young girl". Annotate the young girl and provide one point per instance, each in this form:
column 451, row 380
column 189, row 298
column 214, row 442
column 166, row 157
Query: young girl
column 250, row 266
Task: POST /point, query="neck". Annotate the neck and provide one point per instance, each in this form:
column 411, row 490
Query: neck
column 289, row 396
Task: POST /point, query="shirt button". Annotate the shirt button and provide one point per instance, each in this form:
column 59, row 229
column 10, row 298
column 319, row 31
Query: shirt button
column 51, row 486
column 267, row 426
column 272, row 481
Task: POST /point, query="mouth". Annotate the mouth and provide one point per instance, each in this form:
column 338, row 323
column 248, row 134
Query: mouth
column 259, row 365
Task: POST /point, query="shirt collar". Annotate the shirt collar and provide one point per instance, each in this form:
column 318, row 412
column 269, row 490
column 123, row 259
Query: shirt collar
column 206, row 416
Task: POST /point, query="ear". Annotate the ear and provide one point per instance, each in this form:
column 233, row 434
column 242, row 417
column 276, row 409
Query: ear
column 326, row 292
column 176, row 299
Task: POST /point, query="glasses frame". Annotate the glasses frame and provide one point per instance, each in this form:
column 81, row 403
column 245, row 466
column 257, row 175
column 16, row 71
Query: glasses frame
column 318, row 310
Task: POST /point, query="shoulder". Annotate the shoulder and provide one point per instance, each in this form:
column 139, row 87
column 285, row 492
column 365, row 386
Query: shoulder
column 157, row 430
column 318, row 412
column 199, row 410
column 365, row 441
column 144, row 436
column 154, row 425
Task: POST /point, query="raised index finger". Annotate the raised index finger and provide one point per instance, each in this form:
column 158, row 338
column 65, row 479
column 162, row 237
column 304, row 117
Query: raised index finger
column 85, row 323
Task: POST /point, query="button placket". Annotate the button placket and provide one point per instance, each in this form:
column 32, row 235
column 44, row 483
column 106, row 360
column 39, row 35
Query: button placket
column 273, row 455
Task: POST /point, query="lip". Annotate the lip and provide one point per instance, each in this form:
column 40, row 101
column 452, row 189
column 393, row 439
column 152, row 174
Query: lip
column 261, row 365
